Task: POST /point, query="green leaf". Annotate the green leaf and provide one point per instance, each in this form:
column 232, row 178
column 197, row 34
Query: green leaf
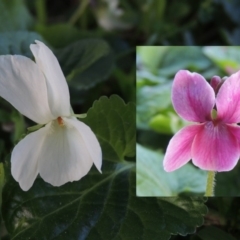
column 152, row 180
column 114, row 124
column 108, row 210
column 126, row 83
column 144, row 77
column 86, row 62
column 231, row 7
column 228, row 183
column 59, row 35
column 19, row 125
column 151, row 101
column 148, row 53
column 227, row 58
column 213, row 233
column 161, row 123
column 14, row 16
column 167, row 123
column 177, row 58
column 2, row 178
column 157, row 218
column 100, row 206
column 18, row 42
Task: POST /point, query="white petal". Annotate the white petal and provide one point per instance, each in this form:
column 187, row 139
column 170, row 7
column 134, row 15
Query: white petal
column 25, row 157
column 64, row 156
column 24, row 86
column 58, row 93
column 90, row 141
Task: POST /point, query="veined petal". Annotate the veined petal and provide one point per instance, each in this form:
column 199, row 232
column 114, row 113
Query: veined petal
column 179, row 148
column 58, row 93
column 90, row 140
column 235, row 130
column 193, row 98
column 228, row 99
column 64, row 156
column 24, row 86
column 215, row 148
column 25, row 157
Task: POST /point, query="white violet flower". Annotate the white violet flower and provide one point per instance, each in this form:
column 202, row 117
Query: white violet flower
column 65, row 148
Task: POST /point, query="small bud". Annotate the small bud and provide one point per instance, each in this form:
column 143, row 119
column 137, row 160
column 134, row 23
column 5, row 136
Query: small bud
column 216, row 82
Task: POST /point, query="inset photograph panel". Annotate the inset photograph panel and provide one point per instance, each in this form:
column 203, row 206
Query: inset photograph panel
column 188, row 114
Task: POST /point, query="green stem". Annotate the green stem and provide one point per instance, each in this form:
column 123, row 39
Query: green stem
column 80, row 10
column 210, row 184
column 41, row 11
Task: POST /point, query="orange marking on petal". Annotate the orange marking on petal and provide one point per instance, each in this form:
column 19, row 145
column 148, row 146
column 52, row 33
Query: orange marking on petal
column 60, row 121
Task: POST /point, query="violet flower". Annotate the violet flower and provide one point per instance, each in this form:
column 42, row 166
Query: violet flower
column 212, row 141
column 63, row 149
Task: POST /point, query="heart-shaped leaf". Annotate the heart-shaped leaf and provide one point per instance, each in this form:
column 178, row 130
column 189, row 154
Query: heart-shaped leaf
column 213, row 233
column 14, row 16
column 18, row 42
column 152, row 180
column 86, row 62
column 100, row 206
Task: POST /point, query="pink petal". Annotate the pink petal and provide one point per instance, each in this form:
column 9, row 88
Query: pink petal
column 179, row 148
column 228, row 99
column 215, row 148
column 193, row 98
column 235, row 130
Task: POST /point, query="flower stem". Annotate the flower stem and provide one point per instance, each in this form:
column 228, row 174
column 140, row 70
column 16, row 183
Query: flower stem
column 80, row 10
column 41, row 11
column 210, row 184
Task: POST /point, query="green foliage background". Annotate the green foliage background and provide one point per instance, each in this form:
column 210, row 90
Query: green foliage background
column 95, row 45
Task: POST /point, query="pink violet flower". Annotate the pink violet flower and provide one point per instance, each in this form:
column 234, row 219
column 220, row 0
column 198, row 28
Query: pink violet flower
column 213, row 143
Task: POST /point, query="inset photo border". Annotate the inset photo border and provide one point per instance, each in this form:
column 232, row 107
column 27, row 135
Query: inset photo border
column 188, row 114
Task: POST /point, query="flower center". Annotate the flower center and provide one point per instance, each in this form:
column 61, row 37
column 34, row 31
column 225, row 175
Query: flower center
column 214, row 114
column 214, row 117
column 60, row 121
